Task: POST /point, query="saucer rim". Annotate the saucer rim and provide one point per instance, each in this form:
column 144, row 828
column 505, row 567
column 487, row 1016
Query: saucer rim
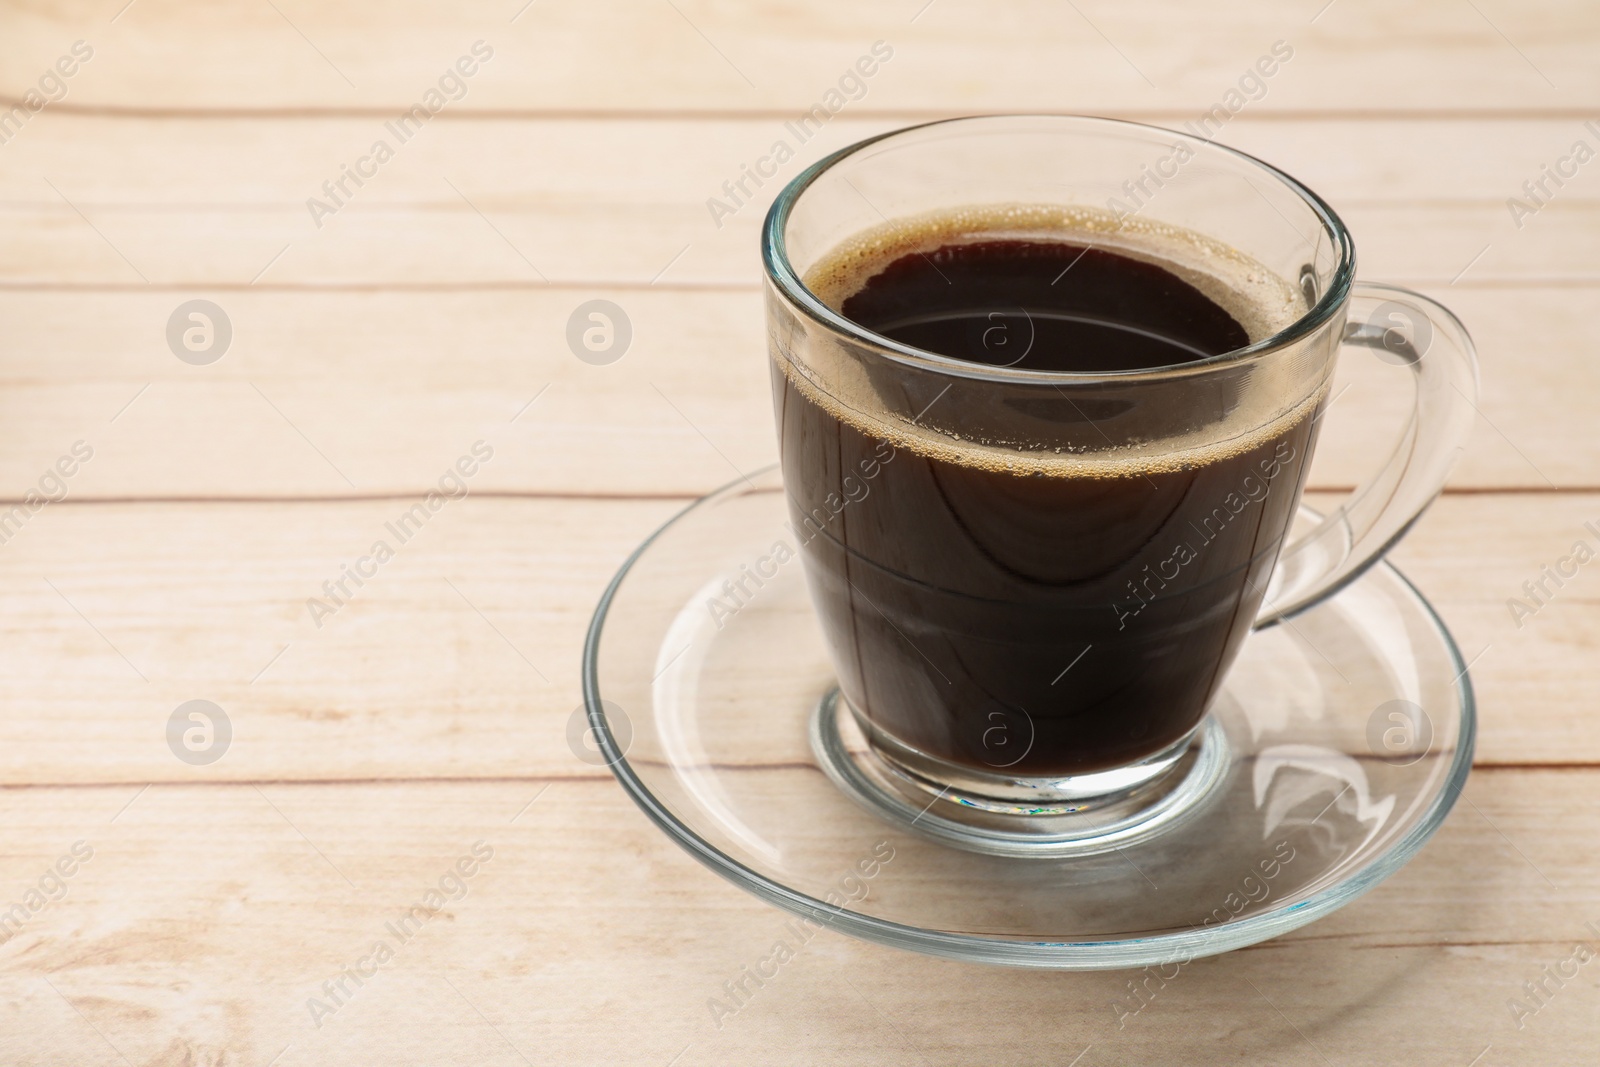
column 1044, row 955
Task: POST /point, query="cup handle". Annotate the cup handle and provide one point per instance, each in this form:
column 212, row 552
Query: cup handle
column 1413, row 331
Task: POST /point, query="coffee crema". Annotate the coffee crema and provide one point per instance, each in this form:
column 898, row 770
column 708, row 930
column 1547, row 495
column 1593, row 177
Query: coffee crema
column 1010, row 603
column 1260, row 301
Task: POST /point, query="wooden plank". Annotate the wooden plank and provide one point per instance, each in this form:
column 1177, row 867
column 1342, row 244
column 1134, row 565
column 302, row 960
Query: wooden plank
column 334, row 394
column 209, row 915
column 173, row 603
column 190, row 204
column 122, row 163
column 157, row 604
column 611, row 55
column 447, row 246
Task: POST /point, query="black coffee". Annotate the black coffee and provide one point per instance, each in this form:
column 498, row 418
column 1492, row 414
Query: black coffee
column 1044, row 306
column 1016, row 620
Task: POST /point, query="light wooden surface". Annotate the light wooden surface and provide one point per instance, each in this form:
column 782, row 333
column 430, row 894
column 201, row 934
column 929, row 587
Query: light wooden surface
column 371, row 754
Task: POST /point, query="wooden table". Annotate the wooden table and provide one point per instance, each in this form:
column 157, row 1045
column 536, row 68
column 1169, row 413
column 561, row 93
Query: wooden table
column 374, row 746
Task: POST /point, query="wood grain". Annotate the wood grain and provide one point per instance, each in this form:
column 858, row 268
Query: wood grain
column 210, row 915
column 434, row 324
column 186, row 203
column 461, row 658
column 1092, row 56
column 338, row 394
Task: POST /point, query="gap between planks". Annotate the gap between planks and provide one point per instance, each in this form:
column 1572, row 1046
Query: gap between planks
column 557, row 779
column 626, row 497
column 1474, row 114
column 1570, row 281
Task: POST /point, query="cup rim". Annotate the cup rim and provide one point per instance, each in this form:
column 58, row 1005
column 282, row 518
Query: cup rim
column 781, row 273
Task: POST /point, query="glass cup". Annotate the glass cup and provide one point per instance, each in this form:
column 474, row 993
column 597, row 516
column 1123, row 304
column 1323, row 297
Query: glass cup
column 1032, row 582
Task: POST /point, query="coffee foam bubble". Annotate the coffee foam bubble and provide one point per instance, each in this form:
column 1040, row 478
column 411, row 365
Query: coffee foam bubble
column 1260, row 300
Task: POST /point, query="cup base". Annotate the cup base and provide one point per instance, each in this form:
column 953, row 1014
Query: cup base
column 1012, row 816
column 1013, row 794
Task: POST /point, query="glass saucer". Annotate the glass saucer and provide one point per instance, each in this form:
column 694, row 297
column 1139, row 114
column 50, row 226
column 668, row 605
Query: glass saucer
column 1334, row 751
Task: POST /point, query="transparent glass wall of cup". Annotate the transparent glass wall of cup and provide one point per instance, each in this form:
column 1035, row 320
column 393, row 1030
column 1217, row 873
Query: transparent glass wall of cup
column 973, row 696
